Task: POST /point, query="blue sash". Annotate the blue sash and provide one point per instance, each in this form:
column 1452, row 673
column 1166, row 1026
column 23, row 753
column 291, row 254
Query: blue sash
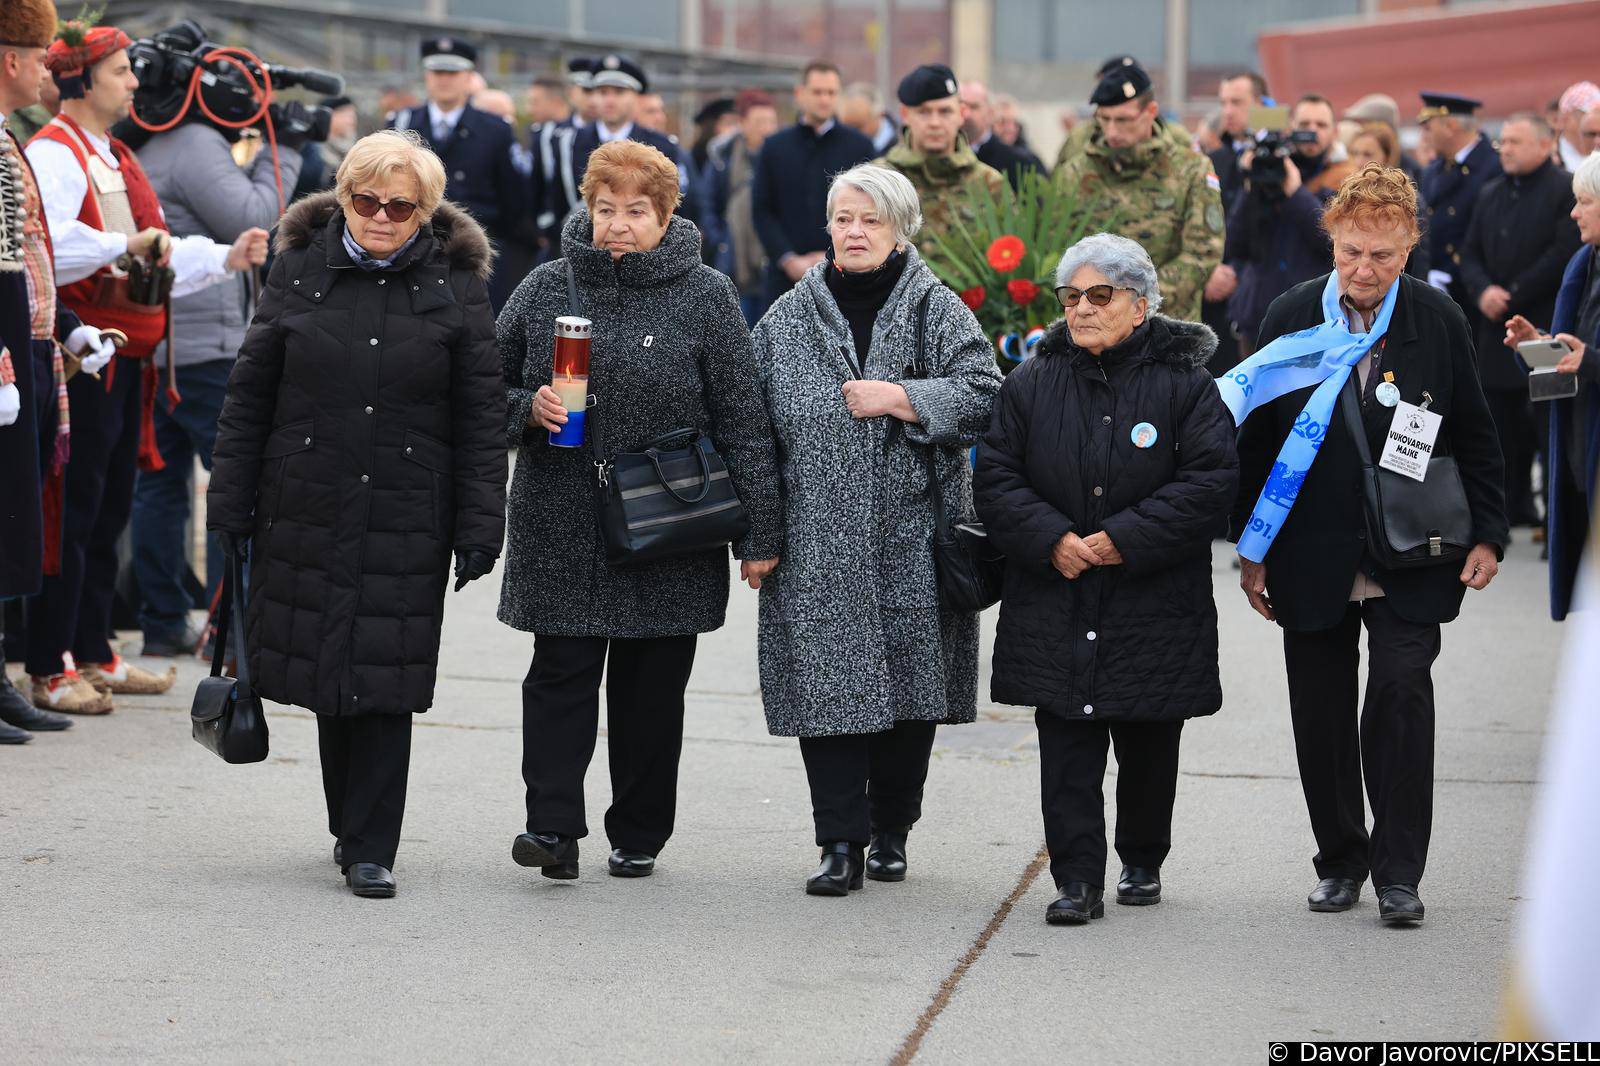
column 1322, row 356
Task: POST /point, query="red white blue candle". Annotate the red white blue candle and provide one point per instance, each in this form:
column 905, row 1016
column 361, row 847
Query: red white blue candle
column 570, row 377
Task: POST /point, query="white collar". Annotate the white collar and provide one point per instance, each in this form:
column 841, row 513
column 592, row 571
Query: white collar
column 987, row 137
column 450, row 118
column 822, row 129
column 101, row 145
column 1461, row 156
column 607, row 134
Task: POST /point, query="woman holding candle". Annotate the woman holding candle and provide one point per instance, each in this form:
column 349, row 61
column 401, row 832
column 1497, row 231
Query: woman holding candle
column 359, row 444
column 668, row 351
column 858, row 658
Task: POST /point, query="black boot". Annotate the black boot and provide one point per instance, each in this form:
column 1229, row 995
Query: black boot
column 1077, row 903
column 840, row 871
column 1399, row 905
column 886, row 855
column 1140, row 886
column 1334, row 894
column 556, row 856
column 369, row 880
column 18, row 710
column 625, row 862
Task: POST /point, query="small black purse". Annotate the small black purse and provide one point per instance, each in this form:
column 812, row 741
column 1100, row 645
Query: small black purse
column 1410, row 523
column 672, row 497
column 969, row 571
column 226, row 717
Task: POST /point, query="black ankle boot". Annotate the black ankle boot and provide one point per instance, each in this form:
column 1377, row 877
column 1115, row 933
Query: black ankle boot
column 555, row 856
column 1077, row 903
column 840, row 871
column 886, row 855
column 1140, row 886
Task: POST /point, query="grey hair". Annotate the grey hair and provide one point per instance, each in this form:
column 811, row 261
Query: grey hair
column 1586, row 179
column 860, row 90
column 890, row 191
column 1125, row 263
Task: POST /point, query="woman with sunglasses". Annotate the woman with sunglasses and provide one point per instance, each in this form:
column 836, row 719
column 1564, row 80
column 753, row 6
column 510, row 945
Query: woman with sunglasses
column 360, row 444
column 1107, row 470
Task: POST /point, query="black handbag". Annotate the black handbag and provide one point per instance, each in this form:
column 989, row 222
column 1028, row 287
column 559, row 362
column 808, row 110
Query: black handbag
column 1410, row 523
column 969, row 571
column 672, row 497
column 226, row 717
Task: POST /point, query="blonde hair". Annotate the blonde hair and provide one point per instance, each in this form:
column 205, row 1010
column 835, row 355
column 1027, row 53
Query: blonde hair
column 1375, row 197
column 628, row 166
column 388, row 152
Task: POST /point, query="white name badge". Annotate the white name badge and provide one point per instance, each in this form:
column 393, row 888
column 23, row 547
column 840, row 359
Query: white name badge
column 1410, row 441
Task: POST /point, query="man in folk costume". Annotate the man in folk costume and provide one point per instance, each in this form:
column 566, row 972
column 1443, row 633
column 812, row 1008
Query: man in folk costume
column 117, row 267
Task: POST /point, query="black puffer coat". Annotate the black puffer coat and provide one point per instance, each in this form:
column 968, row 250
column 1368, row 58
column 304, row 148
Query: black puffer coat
column 361, row 440
column 1135, row 642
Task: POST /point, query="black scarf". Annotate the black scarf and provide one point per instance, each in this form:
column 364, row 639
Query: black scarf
column 861, row 295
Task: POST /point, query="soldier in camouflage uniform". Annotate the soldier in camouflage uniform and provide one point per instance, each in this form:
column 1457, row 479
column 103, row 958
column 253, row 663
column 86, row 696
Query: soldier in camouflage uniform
column 934, row 155
column 1162, row 193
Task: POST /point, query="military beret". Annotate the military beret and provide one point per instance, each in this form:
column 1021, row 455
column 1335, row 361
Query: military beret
column 1437, row 105
column 448, row 54
column 619, row 72
column 1120, row 85
column 928, row 82
column 1114, row 64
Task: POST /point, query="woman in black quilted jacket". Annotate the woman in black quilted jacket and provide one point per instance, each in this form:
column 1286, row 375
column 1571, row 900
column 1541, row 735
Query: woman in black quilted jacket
column 1108, row 469
column 361, row 443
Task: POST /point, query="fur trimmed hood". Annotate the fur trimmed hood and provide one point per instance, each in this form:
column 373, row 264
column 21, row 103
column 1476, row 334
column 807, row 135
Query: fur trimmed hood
column 462, row 239
column 1166, row 340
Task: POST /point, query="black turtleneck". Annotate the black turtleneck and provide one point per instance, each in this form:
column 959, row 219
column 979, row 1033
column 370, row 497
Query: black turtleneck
column 861, row 296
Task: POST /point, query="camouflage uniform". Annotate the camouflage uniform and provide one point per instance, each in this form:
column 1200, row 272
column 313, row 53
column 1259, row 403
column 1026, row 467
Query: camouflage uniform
column 1078, row 139
column 1164, row 196
column 936, row 178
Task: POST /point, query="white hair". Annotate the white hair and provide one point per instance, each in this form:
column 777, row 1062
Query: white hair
column 1586, row 179
column 890, row 191
column 1125, row 264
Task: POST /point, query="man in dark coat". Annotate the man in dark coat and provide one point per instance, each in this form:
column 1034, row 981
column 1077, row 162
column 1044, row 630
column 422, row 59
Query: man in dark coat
column 978, row 124
column 790, row 190
column 1464, row 162
column 474, row 146
column 1517, row 245
column 1236, row 94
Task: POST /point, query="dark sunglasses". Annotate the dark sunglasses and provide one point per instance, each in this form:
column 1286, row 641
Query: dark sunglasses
column 367, row 206
column 1099, row 295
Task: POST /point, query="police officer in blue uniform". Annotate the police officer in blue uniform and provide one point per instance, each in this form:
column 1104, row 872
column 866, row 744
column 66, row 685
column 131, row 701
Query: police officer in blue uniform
column 474, row 146
column 615, row 84
column 1464, row 162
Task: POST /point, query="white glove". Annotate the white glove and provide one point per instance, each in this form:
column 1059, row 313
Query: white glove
column 1439, row 279
column 10, row 404
column 95, row 350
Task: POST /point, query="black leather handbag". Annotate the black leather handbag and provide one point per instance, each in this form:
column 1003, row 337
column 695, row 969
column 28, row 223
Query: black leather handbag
column 1410, row 523
column 226, row 717
column 671, row 497
column 970, row 572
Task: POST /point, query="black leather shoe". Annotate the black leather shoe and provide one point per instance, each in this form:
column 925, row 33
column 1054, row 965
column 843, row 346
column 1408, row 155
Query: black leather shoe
column 18, row 710
column 841, row 870
column 369, row 880
column 886, row 855
column 1077, row 903
column 338, row 854
column 626, row 863
column 1140, row 886
column 1399, row 905
column 1334, row 894
column 555, row 856
column 10, row 734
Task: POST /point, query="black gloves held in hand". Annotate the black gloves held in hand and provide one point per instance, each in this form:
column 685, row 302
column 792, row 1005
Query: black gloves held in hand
column 471, row 565
column 235, row 545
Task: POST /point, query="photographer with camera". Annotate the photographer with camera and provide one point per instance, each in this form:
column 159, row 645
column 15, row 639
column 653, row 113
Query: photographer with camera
column 118, row 267
column 1275, row 235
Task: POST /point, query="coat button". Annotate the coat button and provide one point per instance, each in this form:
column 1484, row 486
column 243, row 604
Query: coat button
column 1088, row 708
column 408, row 449
column 1098, row 491
column 365, row 479
column 1091, row 634
column 368, row 410
column 316, row 295
column 308, row 441
column 373, row 342
column 439, row 280
column 1450, row 211
column 461, row 175
column 296, row 281
column 416, row 288
column 383, row 281
column 1105, row 420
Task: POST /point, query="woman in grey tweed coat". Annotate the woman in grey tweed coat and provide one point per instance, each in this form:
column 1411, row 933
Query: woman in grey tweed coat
column 670, row 351
column 857, row 657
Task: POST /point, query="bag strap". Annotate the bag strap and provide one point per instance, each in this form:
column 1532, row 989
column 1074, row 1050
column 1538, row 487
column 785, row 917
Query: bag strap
column 231, row 604
column 919, row 369
column 575, row 308
column 1352, row 416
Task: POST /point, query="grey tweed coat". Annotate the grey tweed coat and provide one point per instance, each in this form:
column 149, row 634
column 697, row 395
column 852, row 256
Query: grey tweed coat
column 852, row 637
column 670, row 352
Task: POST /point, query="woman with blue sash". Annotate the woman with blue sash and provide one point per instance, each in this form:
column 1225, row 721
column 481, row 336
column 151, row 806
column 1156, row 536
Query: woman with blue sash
column 1395, row 345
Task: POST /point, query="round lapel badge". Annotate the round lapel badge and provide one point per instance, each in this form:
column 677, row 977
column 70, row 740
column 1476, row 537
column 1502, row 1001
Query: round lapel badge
column 1143, row 435
column 1388, row 394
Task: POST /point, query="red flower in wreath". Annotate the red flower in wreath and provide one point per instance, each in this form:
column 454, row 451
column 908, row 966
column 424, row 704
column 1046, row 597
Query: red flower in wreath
column 1022, row 291
column 1006, row 253
column 974, row 297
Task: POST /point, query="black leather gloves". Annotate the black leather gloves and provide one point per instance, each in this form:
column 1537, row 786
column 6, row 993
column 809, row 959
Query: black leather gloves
column 471, row 565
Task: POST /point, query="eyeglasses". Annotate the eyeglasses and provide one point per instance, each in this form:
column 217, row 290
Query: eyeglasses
column 368, row 206
column 1099, row 295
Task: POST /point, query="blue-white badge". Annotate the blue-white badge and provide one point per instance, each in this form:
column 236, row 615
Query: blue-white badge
column 1388, row 394
column 1143, row 435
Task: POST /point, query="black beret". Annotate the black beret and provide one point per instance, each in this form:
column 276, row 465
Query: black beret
column 1122, row 84
column 928, row 82
column 722, row 105
column 1114, row 64
column 619, row 72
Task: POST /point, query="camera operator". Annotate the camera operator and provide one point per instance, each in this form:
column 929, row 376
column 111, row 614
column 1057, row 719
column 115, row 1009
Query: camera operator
column 205, row 193
column 1275, row 235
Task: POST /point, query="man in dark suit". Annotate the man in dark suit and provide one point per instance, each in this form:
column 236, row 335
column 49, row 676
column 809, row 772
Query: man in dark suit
column 1464, row 162
column 978, row 124
column 552, row 117
column 1236, row 95
column 615, row 84
column 474, row 146
column 1517, row 246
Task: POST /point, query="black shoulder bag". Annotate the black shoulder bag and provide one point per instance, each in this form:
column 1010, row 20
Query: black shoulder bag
column 1410, row 523
column 672, row 497
column 226, row 717
column 969, row 570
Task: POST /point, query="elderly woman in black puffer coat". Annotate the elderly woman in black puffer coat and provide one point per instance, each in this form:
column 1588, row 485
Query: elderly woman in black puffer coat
column 1108, row 468
column 669, row 352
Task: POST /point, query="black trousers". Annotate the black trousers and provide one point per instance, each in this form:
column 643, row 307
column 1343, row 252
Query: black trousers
column 366, row 759
column 1513, row 422
column 645, row 682
column 1072, row 764
column 73, row 609
column 1393, row 745
column 862, row 781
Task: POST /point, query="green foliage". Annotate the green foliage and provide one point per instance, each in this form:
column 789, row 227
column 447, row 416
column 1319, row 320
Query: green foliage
column 75, row 31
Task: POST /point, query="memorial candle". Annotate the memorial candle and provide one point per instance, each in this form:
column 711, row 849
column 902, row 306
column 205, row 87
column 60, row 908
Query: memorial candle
column 570, row 377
